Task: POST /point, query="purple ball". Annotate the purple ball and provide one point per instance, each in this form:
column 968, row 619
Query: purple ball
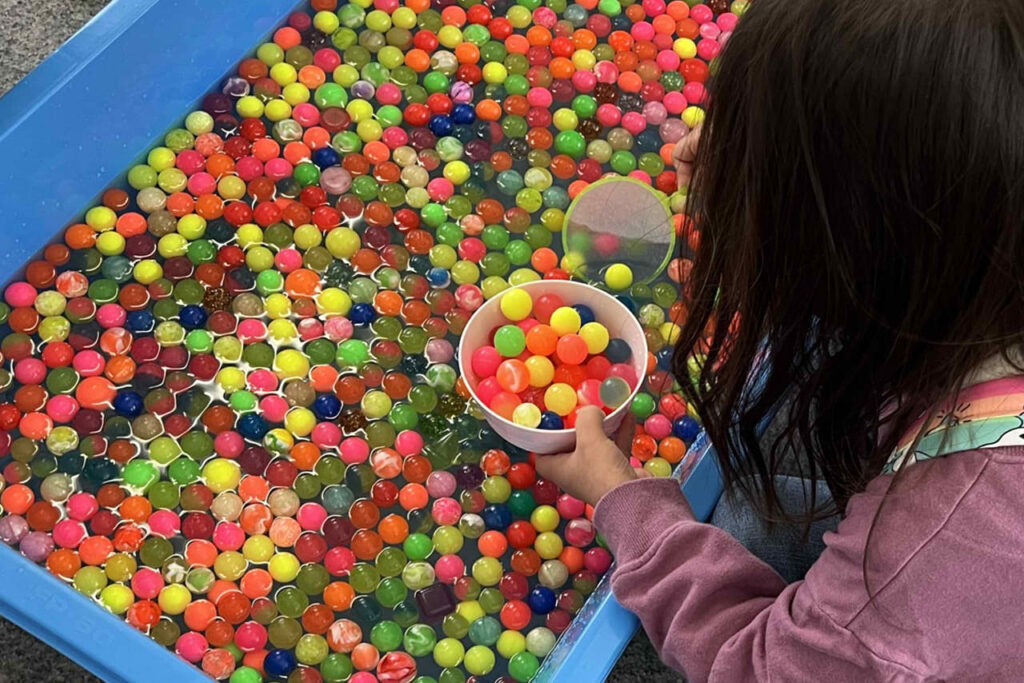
column 335, row 180
column 439, row 351
column 469, row 476
column 37, row 546
column 12, row 529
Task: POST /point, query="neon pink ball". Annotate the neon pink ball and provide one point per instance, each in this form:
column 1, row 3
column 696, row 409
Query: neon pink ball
column 311, row 516
column 388, row 6
column 111, row 315
column 469, row 297
column 472, row 249
column 146, row 583
column 61, row 408
column 288, row 260
column 363, row 677
column 228, row 536
column 389, row 93
column 164, row 523
column 277, row 168
column 251, row 330
column 82, row 506
column 624, row 371
column 274, row 408
column 338, row 328
column 191, row 646
column 597, row 560
column 710, row 30
column 569, row 507
column 250, row 636
column 727, row 21
column 190, row 161
column 642, row 30
column 326, row 434
column 249, row 168
column 448, row 568
column 20, row 294
column 634, row 122
column 539, row 97
column 310, row 328
column 327, row 59
column 440, row 189
column 339, row 560
column 68, row 533
column 88, row 363
column 394, row 137
column 674, row 102
column 306, row 114
column 229, row 444
column 202, row 183
column 653, row 8
column 642, row 176
column 354, row 450
column 695, row 93
column 584, row 81
column 708, row 49
column 545, row 16
column 606, row 72
column 608, row 115
column 701, row 13
column 658, row 426
column 261, row 381
column 30, row 371
column 667, row 60
column 408, row 443
column 446, row 511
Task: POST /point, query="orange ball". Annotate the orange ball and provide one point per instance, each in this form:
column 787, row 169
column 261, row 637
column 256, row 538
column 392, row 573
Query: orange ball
column 339, row 595
column 16, row 499
column 199, row 614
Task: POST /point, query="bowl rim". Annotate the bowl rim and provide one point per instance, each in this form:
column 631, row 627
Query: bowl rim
column 565, row 431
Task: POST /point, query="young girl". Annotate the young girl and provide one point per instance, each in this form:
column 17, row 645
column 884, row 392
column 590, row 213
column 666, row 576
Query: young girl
column 859, row 191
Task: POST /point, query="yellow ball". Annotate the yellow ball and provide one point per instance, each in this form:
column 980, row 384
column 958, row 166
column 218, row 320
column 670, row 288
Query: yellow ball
column 110, row 243
column 510, row 643
column 283, row 567
column 222, row 474
column 359, row 110
column 670, row 332
column 449, row 36
column 369, row 130
column 174, row 598
column 277, row 306
column 307, row 236
column 249, row 234
column 403, row 17
column 345, row 75
column 259, row 258
column 160, row 158
column 470, row 610
column 516, row 304
column 300, row 421
column 685, row 48
column 333, row 301
column 172, row 244
column 192, row 226
column 231, row 187
column 278, row 440
column 326, row 21
column 291, row 363
column 693, row 116
column 583, row 60
column 618, row 277
column 295, row 94
column 342, row 242
column 283, row 73
column 277, row 110
column 659, row 467
column 596, row 337
column 229, row 565
column 495, row 73
column 457, row 172
column 249, row 107
column 100, row 218
column 117, row 598
column 565, row 320
column 258, row 548
column 230, row 379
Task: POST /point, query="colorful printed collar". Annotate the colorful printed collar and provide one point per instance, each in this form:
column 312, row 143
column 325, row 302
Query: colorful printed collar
column 986, row 415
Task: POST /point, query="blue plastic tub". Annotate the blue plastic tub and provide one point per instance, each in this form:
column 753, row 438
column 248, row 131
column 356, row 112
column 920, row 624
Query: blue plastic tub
column 83, row 116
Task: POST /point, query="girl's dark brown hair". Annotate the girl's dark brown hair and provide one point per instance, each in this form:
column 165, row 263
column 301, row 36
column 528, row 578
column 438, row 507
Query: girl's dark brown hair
column 859, row 190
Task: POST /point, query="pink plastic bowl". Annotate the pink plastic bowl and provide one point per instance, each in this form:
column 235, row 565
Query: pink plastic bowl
column 609, row 312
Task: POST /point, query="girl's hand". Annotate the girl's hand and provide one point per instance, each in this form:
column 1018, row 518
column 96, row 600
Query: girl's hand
column 683, row 156
column 597, row 465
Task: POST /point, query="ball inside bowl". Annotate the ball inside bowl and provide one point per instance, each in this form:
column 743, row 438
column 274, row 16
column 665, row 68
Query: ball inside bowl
column 608, row 310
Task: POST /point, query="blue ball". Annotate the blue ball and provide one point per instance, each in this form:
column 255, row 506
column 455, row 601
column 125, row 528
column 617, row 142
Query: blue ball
column 362, row 314
column 327, row 406
column 586, row 313
column 463, row 133
column 618, row 350
column 326, row 157
column 628, row 302
column 420, row 263
column 497, row 516
column 551, row 420
column 441, row 125
column 463, row 113
column 140, row 322
column 438, row 277
column 663, row 357
column 192, row 317
column 541, row 599
column 252, row 426
column 129, row 404
column 280, row 662
column 686, row 428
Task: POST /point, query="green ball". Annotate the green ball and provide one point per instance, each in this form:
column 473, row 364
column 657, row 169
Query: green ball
column 419, row 640
column 336, row 667
column 643, row 406
column 245, row 674
column 386, row 636
column 523, row 666
column 571, row 143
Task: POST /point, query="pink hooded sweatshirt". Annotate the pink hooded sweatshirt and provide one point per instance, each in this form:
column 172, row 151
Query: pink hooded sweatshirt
column 945, row 566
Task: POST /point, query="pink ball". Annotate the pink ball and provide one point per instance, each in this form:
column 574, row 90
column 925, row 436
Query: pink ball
column 311, row 516
column 229, row 444
column 448, row 568
column 82, row 506
column 306, row 114
column 339, row 560
column 545, row 16
column 658, row 426
column 597, row 560
column 440, row 189
column 61, row 408
column 111, row 315
column 249, row 168
column 408, row 443
column 642, row 176
column 362, row 677
column 446, row 511
column 288, row 260
column 68, row 533
column 277, row 168
column 727, row 21
column 695, row 93
column 251, row 330
column 539, row 97
column 584, row 81
column 642, row 30
column 487, row 389
column 439, row 351
column 327, row 59
column 146, row 583
column 634, row 122
column 624, row 371
column 710, row 30
column 667, row 60
column 326, row 435
column 701, row 13
column 388, row 6
column 441, row 484
column 250, row 636
column 191, row 646
column 569, row 507
column 30, row 371
column 389, row 93
column 20, row 294
column 472, row 249
column 469, row 297
column 485, row 361
column 164, row 523
column 338, row 328
column 394, row 137
column 354, row 450
column 655, row 113
column 606, row 72
column 310, row 328
column 274, row 408
column 580, row 532
column 190, row 161
column 261, row 381
column 653, row 8
column 708, row 49
column 608, row 115
column 202, row 183
column 88, row 363
column 662, row 41
column 228, row 536
column 673, row 130
column 674, row 103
